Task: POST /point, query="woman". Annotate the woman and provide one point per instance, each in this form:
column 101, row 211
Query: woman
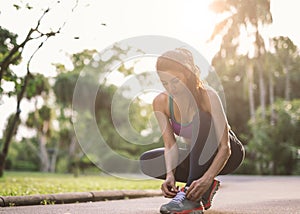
column 193, row 111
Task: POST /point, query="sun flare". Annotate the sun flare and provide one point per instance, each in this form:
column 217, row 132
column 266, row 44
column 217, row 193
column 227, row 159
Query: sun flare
column 197, row 18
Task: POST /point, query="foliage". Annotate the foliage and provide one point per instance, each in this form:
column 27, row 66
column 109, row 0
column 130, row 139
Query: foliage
column 23, row 156
column 271, row 145
column 89, row 66
column 234, row 82
column 240, row 15
column 11, row 54
column 274, row 146
column 38, row 84
column 287, row 63
column 8, row 41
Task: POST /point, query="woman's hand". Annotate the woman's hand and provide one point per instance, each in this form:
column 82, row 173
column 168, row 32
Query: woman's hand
column 168, row 187
column 198, row 188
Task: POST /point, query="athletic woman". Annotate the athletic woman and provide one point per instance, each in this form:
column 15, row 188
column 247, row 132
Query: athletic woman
column 193, row 111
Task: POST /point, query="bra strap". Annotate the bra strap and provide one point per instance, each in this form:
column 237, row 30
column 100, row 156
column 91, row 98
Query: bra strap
column 171, row 108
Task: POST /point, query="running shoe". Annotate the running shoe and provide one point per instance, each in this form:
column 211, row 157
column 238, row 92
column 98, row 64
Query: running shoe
column 181, row 205
column 208, row 196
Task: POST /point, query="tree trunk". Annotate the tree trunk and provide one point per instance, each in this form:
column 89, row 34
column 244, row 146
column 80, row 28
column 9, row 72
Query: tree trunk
column 260, row 52
column 53, row 160
column 271, row 98
column 287, row 91
column 44, row 157
column 262, row 91
column 13, row 126
column 7, row 139
column 44, row 161
column 72, row 153
column 2, row 163
column 250, row 91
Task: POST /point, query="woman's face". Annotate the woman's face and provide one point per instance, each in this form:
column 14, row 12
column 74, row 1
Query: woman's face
column 174, row 82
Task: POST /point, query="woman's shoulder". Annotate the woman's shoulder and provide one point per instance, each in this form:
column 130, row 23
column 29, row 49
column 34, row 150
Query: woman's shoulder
column 161, row 101
column 211, row 92
column 213, row 98
column 215, row 101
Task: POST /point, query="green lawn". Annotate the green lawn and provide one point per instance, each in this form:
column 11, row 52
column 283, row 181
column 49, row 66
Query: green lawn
column 29, row 183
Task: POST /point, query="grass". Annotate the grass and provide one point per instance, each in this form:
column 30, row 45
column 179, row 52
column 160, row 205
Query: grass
column 29, row 183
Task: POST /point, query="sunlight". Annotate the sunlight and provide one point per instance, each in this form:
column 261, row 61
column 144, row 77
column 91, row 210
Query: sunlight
column 189, row 21
column 196, row 24
column 196, row 18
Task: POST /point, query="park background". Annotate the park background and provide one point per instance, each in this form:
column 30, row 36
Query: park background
column 251, row 45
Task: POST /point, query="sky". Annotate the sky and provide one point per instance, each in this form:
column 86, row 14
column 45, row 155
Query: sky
column 100, row 23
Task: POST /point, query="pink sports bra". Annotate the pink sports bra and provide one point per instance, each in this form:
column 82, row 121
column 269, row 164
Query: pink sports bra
column 183, row 130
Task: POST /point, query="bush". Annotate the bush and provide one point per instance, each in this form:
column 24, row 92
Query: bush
column 22, row 157
column 274, row 145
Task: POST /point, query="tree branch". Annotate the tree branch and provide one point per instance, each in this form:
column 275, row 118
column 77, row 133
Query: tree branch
column 4, row 68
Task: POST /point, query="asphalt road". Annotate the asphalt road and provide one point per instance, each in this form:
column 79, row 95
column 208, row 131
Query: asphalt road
column 237, row 194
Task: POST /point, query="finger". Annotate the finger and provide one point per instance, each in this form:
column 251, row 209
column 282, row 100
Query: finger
column 191, row 187
column 171, row 194
column 165, row 190
column 191, row 192
column 174, row 188
column 192, row 196
column 167, row 193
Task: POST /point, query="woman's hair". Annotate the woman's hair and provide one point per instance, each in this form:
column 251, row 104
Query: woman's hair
column 182, row 60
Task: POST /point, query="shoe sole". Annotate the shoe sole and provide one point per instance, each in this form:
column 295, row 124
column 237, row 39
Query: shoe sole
column 190, row 212
column 215, row 188
column 195, row 211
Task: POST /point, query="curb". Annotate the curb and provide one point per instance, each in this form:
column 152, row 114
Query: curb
column 75, row 197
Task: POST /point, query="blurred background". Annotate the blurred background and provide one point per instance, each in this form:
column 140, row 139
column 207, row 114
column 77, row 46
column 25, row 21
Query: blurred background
column 252, row 46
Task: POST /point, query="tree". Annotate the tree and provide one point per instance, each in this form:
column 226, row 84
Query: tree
column 270, row 134
column 235, row 84
column 286, row 53
column 7, row 57
column 40, row 120
column 63, row 89
column 11, row 57
column 90, row 67
column 250, row 16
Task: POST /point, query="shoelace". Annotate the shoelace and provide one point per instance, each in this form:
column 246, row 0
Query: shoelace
column 180, row 196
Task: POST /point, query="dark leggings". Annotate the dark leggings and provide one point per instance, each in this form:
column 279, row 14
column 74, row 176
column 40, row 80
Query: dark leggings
column 195, row 160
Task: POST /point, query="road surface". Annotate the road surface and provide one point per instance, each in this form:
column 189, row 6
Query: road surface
column 237, row 194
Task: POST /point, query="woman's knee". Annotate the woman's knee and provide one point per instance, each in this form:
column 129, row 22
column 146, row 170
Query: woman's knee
column 151, row 154
column 152, row 163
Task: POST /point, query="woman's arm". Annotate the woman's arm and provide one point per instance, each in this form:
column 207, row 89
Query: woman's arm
column 222, row 133
column 200, row 186
column 171, row 151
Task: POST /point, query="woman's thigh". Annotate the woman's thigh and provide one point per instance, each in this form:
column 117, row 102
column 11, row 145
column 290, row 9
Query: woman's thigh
column 153, row 164
column 237, row 155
